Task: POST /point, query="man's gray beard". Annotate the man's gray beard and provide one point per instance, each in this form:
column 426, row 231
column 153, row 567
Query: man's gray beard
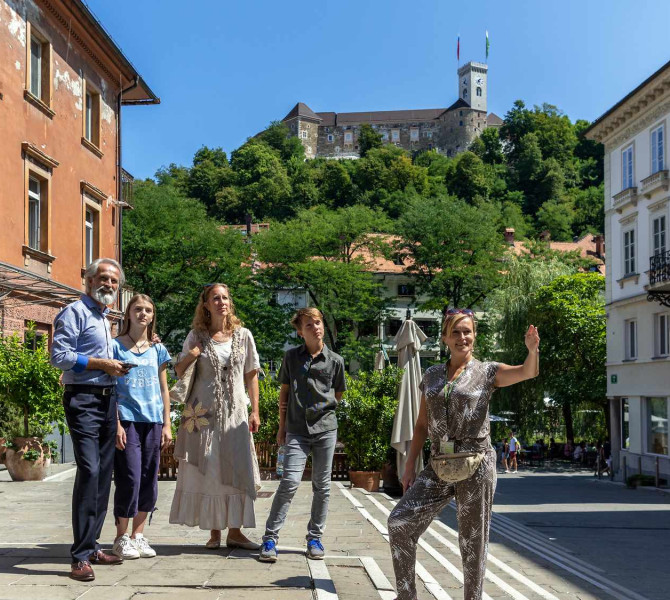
column 104, row 298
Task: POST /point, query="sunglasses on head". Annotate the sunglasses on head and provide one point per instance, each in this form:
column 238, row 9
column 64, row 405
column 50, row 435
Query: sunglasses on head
column 459, row 311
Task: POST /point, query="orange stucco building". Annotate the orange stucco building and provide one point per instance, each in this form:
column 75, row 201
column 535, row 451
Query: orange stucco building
column 63, row 83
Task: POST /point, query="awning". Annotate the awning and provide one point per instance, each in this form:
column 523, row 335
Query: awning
column 29, row 288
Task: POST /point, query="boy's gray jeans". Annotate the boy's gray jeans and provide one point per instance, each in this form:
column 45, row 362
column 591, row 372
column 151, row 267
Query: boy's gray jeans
column 298, row 447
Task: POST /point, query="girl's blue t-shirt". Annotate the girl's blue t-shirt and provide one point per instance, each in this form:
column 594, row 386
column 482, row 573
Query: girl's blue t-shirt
column 139, row 392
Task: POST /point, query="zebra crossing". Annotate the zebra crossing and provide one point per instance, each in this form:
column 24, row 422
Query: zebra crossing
column 442, row 567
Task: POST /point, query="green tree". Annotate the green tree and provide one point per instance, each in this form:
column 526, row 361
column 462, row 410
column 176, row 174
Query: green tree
column 278, row 136
column 570, row 315
column 335, row 185
column 488, row 146
column 172, row 248
column 589, row 210
column 368, row 139
column 209, row 173
column 321, row 252
column 454, row 249
column 469, row 179
column 557, row 216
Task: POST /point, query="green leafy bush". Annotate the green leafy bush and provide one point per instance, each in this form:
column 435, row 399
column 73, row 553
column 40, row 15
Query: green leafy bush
column 365, row 417
column 30, row 383
column 268, row 408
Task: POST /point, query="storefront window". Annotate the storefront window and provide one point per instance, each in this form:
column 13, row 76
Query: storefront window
column 657, row 426
column 625, row 424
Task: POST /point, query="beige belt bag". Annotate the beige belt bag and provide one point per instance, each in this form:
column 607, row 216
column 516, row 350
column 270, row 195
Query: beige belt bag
column 456, row 467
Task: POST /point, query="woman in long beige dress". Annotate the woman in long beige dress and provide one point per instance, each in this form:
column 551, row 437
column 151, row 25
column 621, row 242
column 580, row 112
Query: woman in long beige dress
column 218, row 475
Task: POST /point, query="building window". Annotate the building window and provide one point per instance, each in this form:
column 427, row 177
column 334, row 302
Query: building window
column 90, row 236
column 405, row 289
column 657, row 149
column 395, row 135
column 479, row 91
column 394, row 326
column 399, row 259
column 630, row 339
column 460, row 123
column 465, row 92
column 657, row 426
column 303, row 134
column 38, row 72
column 385, row 136
column 627, row 168
column 629, row 252
column 348, row 137
column 414, row 134
column 625, row 424
column 429, row 135
column 661, row 333
column 34, row 212
column 460, row 113
column 92, row 118
column 659, row 229
column 331, row 137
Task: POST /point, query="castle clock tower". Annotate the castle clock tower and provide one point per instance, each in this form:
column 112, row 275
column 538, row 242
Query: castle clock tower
column 472, row 84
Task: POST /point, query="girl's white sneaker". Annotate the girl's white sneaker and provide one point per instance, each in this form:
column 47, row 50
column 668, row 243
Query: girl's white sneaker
column 125, row 548
column 142, row 545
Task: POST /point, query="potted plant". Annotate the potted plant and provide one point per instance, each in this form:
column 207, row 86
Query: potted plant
column 366, row 416
column 31, row 384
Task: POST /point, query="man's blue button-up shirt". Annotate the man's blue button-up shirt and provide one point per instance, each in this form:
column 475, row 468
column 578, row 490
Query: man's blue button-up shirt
column 82, row 331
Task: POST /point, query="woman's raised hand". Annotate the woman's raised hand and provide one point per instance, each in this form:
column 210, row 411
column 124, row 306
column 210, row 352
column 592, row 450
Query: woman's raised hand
column 532, row 339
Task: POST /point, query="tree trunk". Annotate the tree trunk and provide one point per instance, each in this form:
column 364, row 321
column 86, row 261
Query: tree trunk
column 25, row 421
column 567, row 417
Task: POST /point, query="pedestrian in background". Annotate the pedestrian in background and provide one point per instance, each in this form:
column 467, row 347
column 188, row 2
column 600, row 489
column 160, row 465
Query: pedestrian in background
column 513, row 449
column 83, row 349
column 143, row 428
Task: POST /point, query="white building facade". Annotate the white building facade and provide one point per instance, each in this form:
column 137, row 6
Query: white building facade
column 637, row 214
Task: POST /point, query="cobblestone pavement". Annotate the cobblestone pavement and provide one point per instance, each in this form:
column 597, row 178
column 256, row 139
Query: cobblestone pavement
column 554, row 537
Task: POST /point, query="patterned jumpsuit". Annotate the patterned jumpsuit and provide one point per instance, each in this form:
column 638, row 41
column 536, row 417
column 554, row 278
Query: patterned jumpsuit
column 468, row 425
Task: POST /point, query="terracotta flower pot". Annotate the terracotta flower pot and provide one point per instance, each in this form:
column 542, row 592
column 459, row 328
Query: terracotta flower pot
column 21, row 469
column 367, row 480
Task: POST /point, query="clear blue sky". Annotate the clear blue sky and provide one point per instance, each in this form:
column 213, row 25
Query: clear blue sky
column 224, row 69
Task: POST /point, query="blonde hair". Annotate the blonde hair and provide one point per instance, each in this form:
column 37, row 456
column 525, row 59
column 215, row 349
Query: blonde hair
column 203, row 318
column 450, row 321
column 125, row 326
column 310, row 311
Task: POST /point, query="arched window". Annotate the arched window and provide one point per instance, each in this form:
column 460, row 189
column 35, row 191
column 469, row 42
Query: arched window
column 465, row 92
column 479, row 91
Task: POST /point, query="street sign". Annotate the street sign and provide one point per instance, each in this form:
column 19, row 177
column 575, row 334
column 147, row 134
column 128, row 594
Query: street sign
column 613, row 378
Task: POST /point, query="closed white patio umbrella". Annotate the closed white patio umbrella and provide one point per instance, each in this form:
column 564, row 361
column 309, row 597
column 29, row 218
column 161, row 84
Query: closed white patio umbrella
column 408, row 343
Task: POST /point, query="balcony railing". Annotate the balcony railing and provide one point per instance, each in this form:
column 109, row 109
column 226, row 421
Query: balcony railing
column 658, row 180
column 127, row 187
column 624, row 198
column 659, row 268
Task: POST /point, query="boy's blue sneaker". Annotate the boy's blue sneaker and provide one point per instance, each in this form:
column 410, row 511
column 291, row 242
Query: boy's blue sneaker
column 315, row 549
column 268, row 552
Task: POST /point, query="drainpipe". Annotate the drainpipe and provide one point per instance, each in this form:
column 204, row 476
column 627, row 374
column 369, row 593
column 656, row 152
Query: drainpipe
column 119, row 183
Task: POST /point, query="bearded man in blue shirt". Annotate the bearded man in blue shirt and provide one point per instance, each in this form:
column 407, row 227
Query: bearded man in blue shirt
column 82, row 349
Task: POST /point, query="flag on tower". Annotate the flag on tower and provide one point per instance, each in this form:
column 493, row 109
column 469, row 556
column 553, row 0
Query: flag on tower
column 458, row 48
column 487, row 44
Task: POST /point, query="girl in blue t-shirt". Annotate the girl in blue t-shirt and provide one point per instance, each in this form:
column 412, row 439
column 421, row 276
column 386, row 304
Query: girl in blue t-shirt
column 143, row 426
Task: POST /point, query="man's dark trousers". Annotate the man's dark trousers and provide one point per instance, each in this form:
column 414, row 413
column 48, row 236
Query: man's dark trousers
column 92, row 422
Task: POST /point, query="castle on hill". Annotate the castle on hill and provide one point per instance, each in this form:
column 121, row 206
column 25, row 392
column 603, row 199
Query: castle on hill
column 448, row 130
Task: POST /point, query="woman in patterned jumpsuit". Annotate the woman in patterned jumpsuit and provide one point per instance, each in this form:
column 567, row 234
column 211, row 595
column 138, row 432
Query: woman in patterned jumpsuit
column 468, row 385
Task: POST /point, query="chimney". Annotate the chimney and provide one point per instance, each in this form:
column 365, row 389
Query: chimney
column 509, row 235
column 545, row 236
column 599, row 241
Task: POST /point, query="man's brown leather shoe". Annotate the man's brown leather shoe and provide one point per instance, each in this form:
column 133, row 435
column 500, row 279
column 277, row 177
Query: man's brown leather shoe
column 82, row 571
column 102, row 558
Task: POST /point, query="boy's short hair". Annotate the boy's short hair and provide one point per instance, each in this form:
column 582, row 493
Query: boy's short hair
column 310, row 311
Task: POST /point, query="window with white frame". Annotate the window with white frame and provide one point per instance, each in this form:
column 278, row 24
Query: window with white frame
column 657, row 149
column 331, row 137
column 395, row 135
column 38, row 71
column 90, row 236
column 92, row 116
column 661, row 334
column 658, row 227
column 625, row 424
column 429, row 135
column 479, row 91
column 303, row 134
column 385, row 136
column 348, row 137
column 657, row 426
column 627, row 168
column 414, row 134
column 630, row 339
column 629, row 252
column 35, row 67
column 34, row 213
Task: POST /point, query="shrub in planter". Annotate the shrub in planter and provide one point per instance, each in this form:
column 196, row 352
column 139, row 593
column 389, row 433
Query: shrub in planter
column 365, row 418
column 29, row 383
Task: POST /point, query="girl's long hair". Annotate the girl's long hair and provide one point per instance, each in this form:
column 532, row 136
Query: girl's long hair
column 203, row 318
column 125, row 326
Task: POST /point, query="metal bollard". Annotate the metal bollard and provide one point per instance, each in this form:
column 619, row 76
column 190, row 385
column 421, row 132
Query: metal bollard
column 657, row 472
column 623, row 460
column 639, row 464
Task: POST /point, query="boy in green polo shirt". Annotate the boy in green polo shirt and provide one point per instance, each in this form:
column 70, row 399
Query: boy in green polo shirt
column 312, row 383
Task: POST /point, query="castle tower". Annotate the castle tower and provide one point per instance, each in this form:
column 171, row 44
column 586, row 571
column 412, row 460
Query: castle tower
column 472, row 84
